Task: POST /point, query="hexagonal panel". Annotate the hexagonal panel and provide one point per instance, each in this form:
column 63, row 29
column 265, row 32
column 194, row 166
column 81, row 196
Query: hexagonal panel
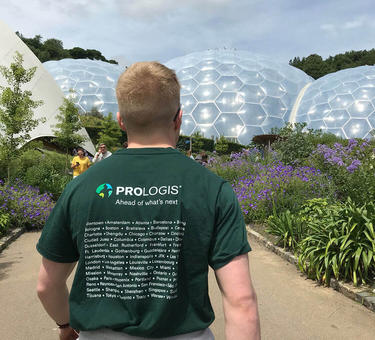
column 317, row 125
column 109, row 108
column 205, row 113
column 337, row 132
column 252, row 114
column 371, row 119
column 229, row 102
column 251, row 77
column 205, row 77
column 252, row 93
column 66, row 84
column 206, row 92
column 86, row 87
column 106, row 94
column 364, row 93
column 188, row 103
column 104, row 81
column 209, row 64
column 272, row 75
column 229, row 125
column 274, row 107
column 229, row 69
column 341, row 101
column 248, row 132
column 188, row 86
column 273, row 89
column 336, row 118
column 187, row 73
column 360, row 108
column 319, row 111
column 229, row 83
column 80, row 75
column 356, row 128
column 272, row 122
column 346, row 88
column 188, row 125
column 88, row 102
column 207, row 131
column 325, row 97
column 96, row 70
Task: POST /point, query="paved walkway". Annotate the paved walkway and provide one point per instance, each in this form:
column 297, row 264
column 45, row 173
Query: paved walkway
column 291, row 307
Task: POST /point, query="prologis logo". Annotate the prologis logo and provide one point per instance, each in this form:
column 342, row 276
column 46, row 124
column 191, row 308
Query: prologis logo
column 104, row 189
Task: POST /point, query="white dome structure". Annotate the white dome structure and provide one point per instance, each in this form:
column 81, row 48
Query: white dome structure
column 42, row 86
column 342, row 103
column 89, row 83
column 235, row 94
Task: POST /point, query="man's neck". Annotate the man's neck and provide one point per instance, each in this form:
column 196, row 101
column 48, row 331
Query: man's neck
column 135, row 145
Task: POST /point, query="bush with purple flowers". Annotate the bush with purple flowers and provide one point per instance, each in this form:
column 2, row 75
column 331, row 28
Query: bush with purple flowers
column 263, row 184
column 350, row 167
column 24, row 204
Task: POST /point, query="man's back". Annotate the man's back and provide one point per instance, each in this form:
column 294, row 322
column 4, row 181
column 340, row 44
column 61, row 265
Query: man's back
column 146, row 224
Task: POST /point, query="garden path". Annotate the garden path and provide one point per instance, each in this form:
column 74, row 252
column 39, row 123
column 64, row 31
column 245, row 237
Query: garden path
column 291, row 307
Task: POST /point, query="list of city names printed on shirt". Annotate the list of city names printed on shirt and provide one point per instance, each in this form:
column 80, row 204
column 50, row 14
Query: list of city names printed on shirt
column 132, row 259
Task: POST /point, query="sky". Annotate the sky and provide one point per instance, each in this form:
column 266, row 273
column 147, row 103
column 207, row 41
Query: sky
column 139, row 30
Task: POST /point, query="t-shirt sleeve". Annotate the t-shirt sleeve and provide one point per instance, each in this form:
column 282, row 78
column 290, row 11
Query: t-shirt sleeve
column 230, row 236
column 56, row 243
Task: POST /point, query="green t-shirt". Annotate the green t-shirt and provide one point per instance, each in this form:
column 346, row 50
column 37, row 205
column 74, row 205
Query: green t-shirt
column 144, row 224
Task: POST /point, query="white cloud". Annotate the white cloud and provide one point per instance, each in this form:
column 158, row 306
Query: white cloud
column 353, row 24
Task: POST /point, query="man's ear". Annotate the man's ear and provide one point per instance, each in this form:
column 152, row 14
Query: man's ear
column 121, row 122
column 178, row 120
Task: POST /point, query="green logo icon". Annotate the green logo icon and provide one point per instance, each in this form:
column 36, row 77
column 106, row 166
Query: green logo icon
column 104, row 190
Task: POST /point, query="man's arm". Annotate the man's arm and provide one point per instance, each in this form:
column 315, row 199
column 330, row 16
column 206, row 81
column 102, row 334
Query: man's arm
column 53, row 291
column 239, row 300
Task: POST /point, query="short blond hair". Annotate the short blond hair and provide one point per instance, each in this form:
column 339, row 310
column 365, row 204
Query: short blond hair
column 148, row 95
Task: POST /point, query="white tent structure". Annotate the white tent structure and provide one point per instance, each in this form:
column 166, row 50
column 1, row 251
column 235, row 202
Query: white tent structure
column 42, row 86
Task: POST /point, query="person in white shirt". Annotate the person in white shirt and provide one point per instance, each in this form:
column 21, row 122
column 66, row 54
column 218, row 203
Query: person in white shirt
column 101, row 154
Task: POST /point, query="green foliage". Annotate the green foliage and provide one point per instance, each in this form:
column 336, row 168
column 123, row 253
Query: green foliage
column 316, row 67
column 4, row 223
column 341, row 245
column 16, row 108
column 68, row 126
column 225, row 147
column 53, row 49
column 296, row 143
column 289, row 229
column 110, row 132
column 200, row 143
column 42, row 169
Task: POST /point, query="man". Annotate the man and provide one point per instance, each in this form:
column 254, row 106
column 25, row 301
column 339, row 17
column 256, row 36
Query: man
column 102, row 153
column 144, row 226
column 80, row 163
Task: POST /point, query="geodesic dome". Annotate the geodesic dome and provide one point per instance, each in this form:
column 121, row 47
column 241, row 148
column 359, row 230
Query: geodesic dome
column 342, row 103
column 93, row 82
column 235, row 94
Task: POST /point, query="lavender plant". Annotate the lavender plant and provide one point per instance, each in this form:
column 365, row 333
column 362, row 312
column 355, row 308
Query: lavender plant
column 351, row 168
column 24, row 204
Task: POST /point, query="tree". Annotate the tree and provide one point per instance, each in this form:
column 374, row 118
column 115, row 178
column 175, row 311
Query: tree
column 110, row 133
column 16, row 109
column 67, row 128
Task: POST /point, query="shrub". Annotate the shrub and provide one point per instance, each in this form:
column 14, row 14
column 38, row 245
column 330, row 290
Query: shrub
column 43, row 169
column 277, row 187
column 4, row 223
column 289, row 229
column 25, row 205
column 341, row 245
column 350, row 167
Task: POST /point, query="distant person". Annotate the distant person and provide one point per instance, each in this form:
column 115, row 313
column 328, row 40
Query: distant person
column 189, row 154
column 80, row 163
column 102, row 153
column 125, row 144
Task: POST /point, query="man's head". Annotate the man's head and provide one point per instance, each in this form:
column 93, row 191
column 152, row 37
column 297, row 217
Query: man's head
column 148, row 95
column 102, row 148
